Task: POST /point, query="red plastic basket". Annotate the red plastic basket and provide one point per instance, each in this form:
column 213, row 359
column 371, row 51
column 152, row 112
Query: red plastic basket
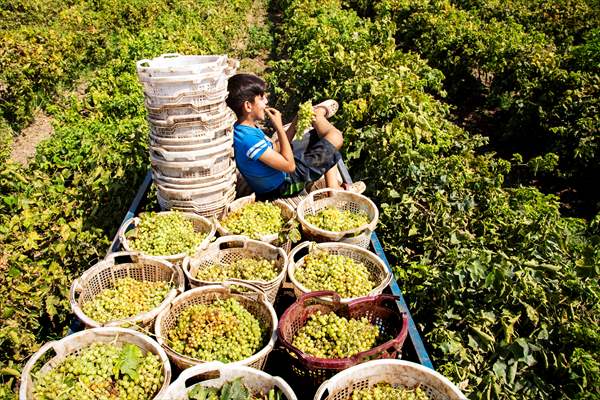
column 380, row 310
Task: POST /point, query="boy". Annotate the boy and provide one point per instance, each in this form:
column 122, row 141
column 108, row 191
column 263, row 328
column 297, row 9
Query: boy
column 276, row 169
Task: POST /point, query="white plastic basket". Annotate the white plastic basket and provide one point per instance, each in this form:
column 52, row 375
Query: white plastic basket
column 202, row 121
column 176, row 64
column 189, row 152
column 228, row 249
column 193, row 98
column 205, row 194
column 395, row 372
column 194, row 169
column 209, row 82
column 212, row 209
column 286, row 212
column 216, row 374
column 344, row 201
column 201, row 224
column 104, row 274
column 254, row 301
column 184, row 184
column 178, row 110
column 196, row 128
column 77, row 341
column 377, row 268
column 191, row 140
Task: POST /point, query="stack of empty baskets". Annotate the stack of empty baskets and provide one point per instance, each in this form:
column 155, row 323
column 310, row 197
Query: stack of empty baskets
column 191, row 137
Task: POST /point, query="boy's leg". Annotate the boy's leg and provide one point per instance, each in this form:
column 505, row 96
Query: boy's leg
column 327, row 131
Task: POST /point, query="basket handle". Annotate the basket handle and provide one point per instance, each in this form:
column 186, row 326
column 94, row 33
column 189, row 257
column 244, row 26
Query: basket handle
column 239, row 240
column 75, row 288
column 179, row 387
column 321, row 293
column 123, row 229
column 296, row 250
column 238, row 282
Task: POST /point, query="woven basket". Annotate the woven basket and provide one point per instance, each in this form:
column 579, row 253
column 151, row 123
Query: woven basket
column 287, row 213
column 377, row 268
column 254, row 301
column 201, row 224
column 104, row 274
column 342, row 200
column 395, row 372
column 380, row 310
column 216, row 374
column 77, row 341
column 228, row 249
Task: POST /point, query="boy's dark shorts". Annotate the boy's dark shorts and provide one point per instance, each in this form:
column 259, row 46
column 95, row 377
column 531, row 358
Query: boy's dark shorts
column 314, row 156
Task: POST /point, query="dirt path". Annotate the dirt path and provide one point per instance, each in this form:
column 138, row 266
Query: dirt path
column 23, row 147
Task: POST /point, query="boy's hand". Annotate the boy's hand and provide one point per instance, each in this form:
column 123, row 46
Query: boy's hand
column 275, row 117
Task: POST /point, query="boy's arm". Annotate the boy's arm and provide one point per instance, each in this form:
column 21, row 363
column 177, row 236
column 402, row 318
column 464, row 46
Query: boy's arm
column 283, row 160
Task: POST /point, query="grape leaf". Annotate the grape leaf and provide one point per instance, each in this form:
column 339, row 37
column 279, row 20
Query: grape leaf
column 129, row 361
column 200, row 392
column 235, row 390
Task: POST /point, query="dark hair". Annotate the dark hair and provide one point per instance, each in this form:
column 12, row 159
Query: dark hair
column 242, row 88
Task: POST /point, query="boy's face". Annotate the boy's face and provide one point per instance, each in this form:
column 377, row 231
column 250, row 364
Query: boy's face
column 256, row 109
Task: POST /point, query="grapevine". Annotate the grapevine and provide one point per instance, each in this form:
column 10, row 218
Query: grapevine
column 127, row 298
column 245, row 268
column 324, row 271
column 332, row 336
column 101, row 371
column 385, row 391
column 222, row 331
column 233, row 390
column 336, row 220
column 255, row 220
column 165, row 234
column 305, row 117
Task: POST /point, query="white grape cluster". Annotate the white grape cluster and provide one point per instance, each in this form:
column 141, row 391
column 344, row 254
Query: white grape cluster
column 335, row 220
column 305, row 117
column 102, row 372
column 160, row 234
column 221, row 331
column 250, row 269
column 332, row 336
column 344, row 275
column 255, row 220
column 385, row 391
column 127, row 298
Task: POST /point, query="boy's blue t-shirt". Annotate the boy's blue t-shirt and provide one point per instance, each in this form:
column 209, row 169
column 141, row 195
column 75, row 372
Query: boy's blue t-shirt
column 249, row 144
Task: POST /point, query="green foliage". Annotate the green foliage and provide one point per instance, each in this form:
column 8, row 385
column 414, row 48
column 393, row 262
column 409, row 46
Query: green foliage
column 504, row 288
column 57, row 215
column 528, row 67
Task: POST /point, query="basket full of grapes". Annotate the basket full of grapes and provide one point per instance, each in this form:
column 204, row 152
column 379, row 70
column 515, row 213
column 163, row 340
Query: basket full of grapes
column 388, row 380
column 232, row 323
column 271, row 222
column 170, row 235
column 350, row 271
column 238, row 257
column 324, row 337
column 330, row 215
column 99, row 363
column 125, row 289
column 215, row 380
